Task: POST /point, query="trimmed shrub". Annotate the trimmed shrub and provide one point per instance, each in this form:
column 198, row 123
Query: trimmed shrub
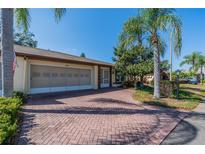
column 19, row 95
column 7, row 128
column 167, row 87
column 139, row 85
column 9, row 108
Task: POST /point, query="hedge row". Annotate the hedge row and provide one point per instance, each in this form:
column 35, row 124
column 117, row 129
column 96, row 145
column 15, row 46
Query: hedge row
column 9, row 108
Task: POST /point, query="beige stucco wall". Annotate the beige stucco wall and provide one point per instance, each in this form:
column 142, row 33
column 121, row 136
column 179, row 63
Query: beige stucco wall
column 19, row 79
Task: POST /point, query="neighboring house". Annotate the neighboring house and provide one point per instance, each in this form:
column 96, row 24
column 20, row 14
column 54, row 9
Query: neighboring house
column 43, row 71
column 149, row 78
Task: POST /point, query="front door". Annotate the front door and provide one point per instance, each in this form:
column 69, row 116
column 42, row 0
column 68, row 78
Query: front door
column 105, row 77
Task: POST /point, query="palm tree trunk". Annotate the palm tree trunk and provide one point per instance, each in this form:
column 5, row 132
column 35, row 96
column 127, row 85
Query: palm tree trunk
column 7, row 51
column 170, row 75
column 156, row 73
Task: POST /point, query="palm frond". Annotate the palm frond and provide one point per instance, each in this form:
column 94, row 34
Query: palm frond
column 133, row 32
column 22, row 18
column 173, row 22
column 160, row 20
column 184, row 62
column 162, row 47
column 200, row 62
column 59, row 12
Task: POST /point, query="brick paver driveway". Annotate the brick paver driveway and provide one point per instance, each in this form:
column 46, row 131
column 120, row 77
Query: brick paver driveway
column 108, row 116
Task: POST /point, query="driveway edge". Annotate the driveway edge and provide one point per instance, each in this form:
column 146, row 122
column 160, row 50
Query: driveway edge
column 157, row 137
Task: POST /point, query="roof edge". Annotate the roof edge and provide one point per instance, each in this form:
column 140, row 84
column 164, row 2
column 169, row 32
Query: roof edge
column 59, row 52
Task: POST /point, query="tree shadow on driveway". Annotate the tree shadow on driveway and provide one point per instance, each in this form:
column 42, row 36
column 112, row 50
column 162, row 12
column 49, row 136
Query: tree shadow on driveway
column 103, row 110
column 114, row 101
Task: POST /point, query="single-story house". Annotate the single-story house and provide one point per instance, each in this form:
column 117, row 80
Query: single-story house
column 44, row 71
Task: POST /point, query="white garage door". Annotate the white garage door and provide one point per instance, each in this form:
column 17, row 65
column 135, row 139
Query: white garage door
column 51, row 79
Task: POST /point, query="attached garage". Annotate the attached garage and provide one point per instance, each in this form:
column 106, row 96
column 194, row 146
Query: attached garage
column 52, row 79
column 44, row 71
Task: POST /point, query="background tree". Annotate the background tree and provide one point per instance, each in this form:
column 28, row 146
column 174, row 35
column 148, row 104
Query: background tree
column 141, row 69
column 25, row 39
column 156, row 22
column 82, row 55
column 191, row 60
column 184, row 74
column 22, row 18
column 131, row 50
column 134, row 62
column 165, row 66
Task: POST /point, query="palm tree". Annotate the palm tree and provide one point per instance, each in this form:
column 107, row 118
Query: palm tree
column 191, row 60
column 133, row 31
column 22, row 20
column 158, row 21
column 200, row 63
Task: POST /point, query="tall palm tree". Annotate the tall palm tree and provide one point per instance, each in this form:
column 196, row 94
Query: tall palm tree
column 158, row 21
column 191, row 60
column 22, row 18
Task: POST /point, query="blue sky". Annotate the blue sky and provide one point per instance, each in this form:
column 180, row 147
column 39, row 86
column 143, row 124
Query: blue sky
column 95, row 31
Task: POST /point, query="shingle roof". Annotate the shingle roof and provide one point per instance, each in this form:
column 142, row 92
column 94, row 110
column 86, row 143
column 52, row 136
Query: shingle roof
column 37, row 52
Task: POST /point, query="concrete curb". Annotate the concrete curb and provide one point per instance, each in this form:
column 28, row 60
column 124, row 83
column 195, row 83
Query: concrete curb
column 157, row 137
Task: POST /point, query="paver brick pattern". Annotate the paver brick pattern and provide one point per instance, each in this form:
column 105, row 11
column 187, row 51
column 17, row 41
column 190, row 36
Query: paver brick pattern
column 106, row 116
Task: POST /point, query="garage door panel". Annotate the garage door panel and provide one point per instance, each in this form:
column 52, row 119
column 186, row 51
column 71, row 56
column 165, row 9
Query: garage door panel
column 69, row 76
column 74, row 80
column 59, row 77
column 85, row 77
column 40, row 77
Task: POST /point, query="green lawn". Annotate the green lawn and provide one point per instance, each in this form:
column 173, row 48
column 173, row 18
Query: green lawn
column 189, row 97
